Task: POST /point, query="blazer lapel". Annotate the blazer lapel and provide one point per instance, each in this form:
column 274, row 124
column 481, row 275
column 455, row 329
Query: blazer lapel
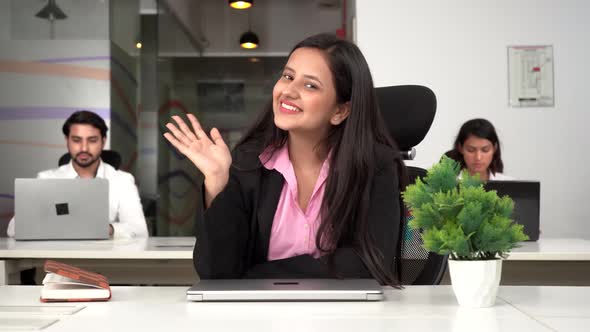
column 270, row 192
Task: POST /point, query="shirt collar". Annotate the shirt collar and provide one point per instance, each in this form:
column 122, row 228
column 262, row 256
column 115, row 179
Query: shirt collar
column 279, row 161
column 276, row 159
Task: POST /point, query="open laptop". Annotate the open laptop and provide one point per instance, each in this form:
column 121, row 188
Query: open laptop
column 61, row 209
column 285, row 290
column 526, row 196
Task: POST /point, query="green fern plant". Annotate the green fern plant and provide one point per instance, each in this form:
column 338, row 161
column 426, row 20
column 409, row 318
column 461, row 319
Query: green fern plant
column 458, row 217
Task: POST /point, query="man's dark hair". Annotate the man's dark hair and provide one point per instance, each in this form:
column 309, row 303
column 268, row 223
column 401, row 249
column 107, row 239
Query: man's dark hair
column 85, row 117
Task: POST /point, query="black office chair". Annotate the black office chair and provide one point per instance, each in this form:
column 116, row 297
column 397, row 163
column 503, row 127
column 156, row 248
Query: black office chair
column 408, row 111
column 110, row 157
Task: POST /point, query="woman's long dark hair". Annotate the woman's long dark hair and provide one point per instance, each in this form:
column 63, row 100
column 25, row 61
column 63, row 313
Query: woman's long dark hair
column 353, row 162
column 480, row 128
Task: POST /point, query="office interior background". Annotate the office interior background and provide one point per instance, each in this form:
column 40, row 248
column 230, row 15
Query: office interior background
column 190, row 61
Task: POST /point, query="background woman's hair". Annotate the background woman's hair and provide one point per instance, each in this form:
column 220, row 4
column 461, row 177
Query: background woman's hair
column 480, row 128
column 353, row 162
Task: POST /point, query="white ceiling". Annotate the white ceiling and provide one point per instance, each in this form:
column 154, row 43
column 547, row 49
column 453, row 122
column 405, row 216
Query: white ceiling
column 215, row 28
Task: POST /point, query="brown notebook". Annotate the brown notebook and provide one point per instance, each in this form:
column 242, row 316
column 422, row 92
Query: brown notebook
column 67, row 283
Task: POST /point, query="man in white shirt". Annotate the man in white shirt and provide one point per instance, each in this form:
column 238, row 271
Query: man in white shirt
column 85, row 133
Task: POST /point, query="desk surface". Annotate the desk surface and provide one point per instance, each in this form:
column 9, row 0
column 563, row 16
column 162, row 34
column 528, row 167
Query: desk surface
column 150, row 248
column 418, row 308
column 182, row 248
column 553, row 250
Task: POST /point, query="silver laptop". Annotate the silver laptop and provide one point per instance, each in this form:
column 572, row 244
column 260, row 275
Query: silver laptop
column 61, row 209
column 285, row 290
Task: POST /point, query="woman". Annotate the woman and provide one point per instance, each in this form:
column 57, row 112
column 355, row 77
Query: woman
column 477, row 149
column 313, row 188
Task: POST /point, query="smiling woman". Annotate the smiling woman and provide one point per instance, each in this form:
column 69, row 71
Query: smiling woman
column 312, row 189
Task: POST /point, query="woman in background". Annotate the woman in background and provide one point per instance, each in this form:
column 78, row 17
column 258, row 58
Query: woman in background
column 477, row 149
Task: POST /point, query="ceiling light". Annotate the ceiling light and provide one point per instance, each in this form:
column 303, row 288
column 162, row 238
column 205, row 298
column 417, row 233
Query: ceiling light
column 240, row 4
column 51, row 12
column 249, row 40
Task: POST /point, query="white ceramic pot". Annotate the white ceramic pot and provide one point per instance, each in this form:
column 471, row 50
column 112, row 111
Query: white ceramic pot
column 475, row 283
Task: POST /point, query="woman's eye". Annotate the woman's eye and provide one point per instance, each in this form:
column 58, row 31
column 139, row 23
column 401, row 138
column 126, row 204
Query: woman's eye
column 287, row 76
column 311, row 86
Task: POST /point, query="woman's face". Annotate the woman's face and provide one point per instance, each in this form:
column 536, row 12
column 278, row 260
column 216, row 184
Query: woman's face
column 478, row 154
column 304, row 98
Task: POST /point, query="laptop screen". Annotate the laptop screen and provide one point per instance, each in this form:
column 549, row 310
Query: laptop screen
column 526, row 197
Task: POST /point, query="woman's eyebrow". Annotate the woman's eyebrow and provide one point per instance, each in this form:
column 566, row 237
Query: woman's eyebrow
column 311, row 77
column 315, row 78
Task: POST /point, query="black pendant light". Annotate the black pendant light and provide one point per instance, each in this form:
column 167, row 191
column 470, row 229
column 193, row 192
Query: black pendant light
column 51, row 12
column 240, row 4
column 249, row 40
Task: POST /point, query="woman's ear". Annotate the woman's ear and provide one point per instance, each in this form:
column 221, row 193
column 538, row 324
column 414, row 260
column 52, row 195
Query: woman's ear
column 342, row 112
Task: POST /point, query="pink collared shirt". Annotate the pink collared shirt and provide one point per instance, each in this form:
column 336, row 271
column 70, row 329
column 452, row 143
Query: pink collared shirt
column 293, row 230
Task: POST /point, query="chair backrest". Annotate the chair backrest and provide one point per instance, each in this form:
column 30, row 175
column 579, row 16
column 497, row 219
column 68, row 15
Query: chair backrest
column 419, row 266
column 408, row 112
column 110, row 157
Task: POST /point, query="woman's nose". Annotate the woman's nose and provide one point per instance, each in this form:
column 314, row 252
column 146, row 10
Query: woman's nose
column 289, row 91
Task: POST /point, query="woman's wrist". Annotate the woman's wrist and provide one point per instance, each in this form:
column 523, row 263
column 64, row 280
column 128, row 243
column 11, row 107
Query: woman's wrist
column 213, row 186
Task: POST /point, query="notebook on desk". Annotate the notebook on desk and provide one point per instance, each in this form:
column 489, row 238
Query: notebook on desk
column 285, row 290
column 526, row 196
column 61, row 209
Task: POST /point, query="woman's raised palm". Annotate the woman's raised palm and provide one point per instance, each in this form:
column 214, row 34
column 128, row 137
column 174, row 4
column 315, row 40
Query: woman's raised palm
column 211, row 155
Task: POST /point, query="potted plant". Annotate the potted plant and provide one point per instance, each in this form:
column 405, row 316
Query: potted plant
column 459, row 218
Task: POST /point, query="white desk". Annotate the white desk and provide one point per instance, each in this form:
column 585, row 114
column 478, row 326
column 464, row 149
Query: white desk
column 168, row 260
column 556, row 262
column 552, row 250
column 427, row 308
column 549, row 262
column 144, row 261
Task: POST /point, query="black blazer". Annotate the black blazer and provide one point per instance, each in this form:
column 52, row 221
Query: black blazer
column 233, row 234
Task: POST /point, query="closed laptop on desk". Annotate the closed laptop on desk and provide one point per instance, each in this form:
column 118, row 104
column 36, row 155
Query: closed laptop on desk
column 61, row 209
column 286, row 290
column 526, row 197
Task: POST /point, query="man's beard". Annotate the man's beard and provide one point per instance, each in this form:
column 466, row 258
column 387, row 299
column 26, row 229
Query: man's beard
column 90, row 161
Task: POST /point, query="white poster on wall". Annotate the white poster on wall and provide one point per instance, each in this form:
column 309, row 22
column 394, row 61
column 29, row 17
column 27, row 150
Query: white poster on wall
column 530, row 76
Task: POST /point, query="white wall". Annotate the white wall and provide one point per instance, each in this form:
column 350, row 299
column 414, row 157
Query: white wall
column 4, row 20
column 41, row 80
column 458, row 49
